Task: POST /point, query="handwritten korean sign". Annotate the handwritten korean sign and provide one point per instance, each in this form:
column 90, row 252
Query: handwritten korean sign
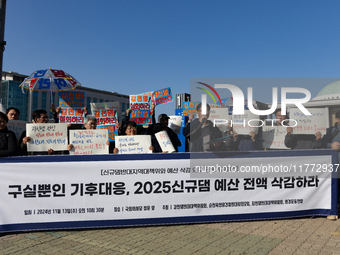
column 71, row 104
column 112, row 131
column 164, row 141
column 90, row 141
column 132, row 144
column 175, row 123
column 245, row 123
column 46, row 135
column 274, row 137
column 221, row 116
column 309, row 124
column 17, row 126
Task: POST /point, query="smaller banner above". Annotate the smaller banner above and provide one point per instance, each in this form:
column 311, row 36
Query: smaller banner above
column 132, row 144
column 90, row 141
column 71, row 104
column 46, row 136
column 162, row 96
column 189, row 108
column 105, row 113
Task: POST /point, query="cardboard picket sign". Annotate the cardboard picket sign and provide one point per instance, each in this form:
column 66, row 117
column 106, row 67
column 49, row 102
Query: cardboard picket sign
column 274, row 137
column 133, row 144
column 89, row 141
column 46, row 136
column 175, row 123
column 17, row 126
column 164, row 141
column 309, row 124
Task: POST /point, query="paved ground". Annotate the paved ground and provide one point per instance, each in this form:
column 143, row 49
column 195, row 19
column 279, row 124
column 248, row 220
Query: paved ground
column 292, row 236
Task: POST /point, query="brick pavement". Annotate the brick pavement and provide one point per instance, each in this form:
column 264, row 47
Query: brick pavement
column 288, row 236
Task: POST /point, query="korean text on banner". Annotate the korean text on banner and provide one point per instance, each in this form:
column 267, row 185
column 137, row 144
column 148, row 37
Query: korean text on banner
column 90, row 141
column 141, row 109
column 309, row 124
column 189, row 108
column 105, row 113
column 162, row 96
column 155, row 190
column 46, row 135
column 245, row 123
column 133, row 144
column 164, row 141
column 221, row 117
column 71, row 104
column 17, row 126
column 274, row 137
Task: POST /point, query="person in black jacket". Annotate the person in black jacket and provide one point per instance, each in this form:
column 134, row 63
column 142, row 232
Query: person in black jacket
column 8, row 140
column 201, row 132
column 164, row 119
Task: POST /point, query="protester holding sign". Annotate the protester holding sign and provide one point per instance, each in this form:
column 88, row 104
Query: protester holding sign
column 38, row 116
column 91, row 123
column 201, row 133
column 163, row 118
column 300, row 142
column 8, row 141
column 141, row 130
column 249, row 142
column 130, row 129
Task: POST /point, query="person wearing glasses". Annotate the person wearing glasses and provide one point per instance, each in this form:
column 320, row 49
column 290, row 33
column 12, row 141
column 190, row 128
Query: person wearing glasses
column 38, row 116
column 13, row 113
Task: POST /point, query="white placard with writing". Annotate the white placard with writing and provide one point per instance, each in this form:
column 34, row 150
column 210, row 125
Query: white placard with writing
column 309, row 124
column 89, row 141
column 241, row 123
column 274, row 137
column 46, row 136
column 132, row 144
column 175, row 123
column 221, row 117
column 164, row 141
column 17, row 126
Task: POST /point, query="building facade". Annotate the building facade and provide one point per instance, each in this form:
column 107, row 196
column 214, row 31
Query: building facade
column 14, row 96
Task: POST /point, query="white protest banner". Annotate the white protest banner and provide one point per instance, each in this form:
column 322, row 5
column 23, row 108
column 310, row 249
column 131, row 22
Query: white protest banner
column 132, row 144
column 17, row 126
column 221, row 117
column 164, row 141
column 308, row 124
column 71, row 104
column 94, row 191
column 46, row 136
column 274, row 137
column 175, row 123
column 89, row 141
column 106, row 113
column 243, row 124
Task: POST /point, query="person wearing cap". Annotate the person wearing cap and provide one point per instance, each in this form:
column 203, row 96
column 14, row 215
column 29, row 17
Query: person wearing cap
column 201, row 132
column 164, row 119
